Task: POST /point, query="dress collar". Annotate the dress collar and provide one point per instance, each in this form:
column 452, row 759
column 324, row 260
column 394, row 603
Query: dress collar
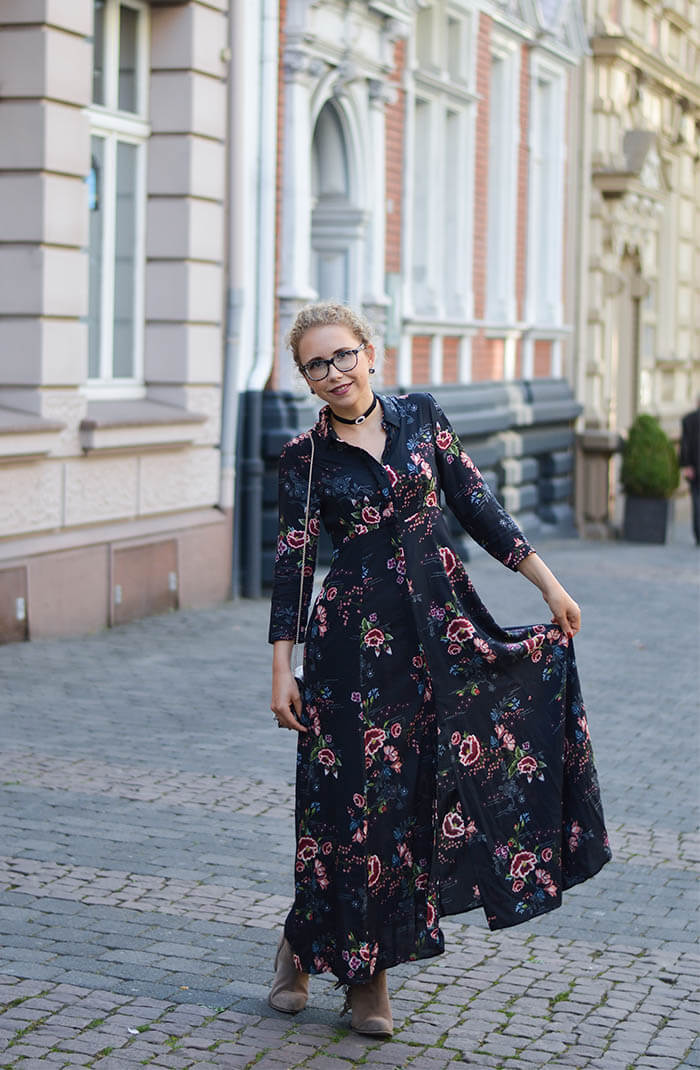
column 324, row 427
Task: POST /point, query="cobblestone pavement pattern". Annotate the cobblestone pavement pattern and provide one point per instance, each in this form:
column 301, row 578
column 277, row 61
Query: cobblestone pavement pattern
column 146, row 853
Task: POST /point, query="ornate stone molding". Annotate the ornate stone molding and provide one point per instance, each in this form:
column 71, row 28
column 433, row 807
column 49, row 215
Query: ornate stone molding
column 381, row 92
column 299, row 65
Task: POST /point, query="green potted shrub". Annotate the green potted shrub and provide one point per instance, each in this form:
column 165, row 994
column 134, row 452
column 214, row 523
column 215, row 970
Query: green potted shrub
column 649, row 476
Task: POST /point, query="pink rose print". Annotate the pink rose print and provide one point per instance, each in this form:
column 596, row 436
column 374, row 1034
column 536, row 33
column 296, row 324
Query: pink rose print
column 320, row 873
column 527, row 765
column 326, row 756
column 536, row 655
column 470, row 750
column 327, row 847
column 522, row 864
column 483, row 647
column 374, row 737
column 314, row 526
column 449, row 561
column 456, row 739
column 547, row 854
column 430, row 916
column 360, row 529
column 307, row 848
column 444, row 439
column 374, row 868
column 459, row 629
column 360, row 835
column 417, row 661
column 331, row 593
column 518, row 886
column 453, row 825
column 365, row 953
column 374, row 637
column 422, row 880
column 295, row 539
column 391, row 754
column 454, row 649
column 393, row 478
column 359, row 800
column 370, row 515
column 431, row 500
column 395, row 730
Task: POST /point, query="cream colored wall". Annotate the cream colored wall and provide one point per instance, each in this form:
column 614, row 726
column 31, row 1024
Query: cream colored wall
column 50, row 484
column 644, row 75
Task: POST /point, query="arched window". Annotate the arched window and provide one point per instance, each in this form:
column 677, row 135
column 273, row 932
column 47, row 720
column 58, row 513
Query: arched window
column 337, row 225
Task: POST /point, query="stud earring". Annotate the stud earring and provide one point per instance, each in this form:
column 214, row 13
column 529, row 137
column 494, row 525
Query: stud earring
column 372, row 371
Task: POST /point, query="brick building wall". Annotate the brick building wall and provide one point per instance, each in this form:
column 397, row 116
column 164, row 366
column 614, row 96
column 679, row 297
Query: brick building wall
column 483, row 363
column 395, row 123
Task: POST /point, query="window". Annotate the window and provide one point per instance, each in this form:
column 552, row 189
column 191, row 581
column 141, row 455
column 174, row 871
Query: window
column 546, row 188
column 503, row 171
column 117, row 197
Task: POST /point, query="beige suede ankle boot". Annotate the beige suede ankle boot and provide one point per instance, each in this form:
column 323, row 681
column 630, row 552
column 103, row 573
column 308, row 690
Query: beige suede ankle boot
column 370, row 1006
column 290, row 987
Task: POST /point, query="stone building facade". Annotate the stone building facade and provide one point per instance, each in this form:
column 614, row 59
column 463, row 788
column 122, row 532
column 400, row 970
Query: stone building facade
column 177, row 177
column 113, row 133
column 640, row 299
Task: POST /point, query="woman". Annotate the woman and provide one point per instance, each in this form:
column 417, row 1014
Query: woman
column 443, row 762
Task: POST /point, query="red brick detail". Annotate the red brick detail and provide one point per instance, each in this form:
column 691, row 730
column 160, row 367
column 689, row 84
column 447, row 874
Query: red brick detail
column 273, row 380
column 519, row 359
column 489, row 363
column 395, row 125
column 420, row 370
column 522, row 193
column 542, row 358
column 450, row 360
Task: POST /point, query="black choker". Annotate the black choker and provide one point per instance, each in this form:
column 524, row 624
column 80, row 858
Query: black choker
column 358, row 419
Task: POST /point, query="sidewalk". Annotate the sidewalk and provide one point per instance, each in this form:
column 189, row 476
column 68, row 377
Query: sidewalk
column 147, row 839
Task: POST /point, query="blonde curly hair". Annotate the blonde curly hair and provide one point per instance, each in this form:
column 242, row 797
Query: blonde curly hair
column 325, row 314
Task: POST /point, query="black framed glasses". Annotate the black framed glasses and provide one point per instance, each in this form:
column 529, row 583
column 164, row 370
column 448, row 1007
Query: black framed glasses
column 344, row 360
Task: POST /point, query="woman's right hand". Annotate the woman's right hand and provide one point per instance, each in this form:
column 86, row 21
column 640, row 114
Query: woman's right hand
column 286, row 700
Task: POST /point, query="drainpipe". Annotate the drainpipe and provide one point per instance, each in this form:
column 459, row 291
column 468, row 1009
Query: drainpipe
column 235, row 296
column 252, row 464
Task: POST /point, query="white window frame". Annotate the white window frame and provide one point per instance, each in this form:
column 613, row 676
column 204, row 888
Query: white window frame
column 437, row 297
column 131, row 128
column 503, row 189
column 544, row 302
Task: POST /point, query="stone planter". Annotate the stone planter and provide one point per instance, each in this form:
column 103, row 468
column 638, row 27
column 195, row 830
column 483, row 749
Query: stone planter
column 645, row 519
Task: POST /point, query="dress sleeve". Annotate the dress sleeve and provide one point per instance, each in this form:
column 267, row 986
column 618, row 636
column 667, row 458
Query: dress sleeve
column 471, row 499
column 293, row 485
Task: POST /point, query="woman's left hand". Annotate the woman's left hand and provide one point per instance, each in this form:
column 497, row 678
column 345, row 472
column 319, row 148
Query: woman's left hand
column 565, row 612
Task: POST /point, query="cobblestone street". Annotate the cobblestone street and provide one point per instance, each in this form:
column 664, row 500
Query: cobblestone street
column 146, row 803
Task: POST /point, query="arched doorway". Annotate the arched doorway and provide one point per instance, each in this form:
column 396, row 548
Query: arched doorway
column 337, row 222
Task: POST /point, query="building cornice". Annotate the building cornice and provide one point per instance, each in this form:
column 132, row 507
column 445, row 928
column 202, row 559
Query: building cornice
column 627, row 51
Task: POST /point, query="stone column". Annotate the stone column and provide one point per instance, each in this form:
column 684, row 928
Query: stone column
column 295, row 289
column 375, row 299
column 186, row 189
column 44, row 160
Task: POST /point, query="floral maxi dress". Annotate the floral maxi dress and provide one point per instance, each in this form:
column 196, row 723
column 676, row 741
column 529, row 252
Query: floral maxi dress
column 448, row 763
